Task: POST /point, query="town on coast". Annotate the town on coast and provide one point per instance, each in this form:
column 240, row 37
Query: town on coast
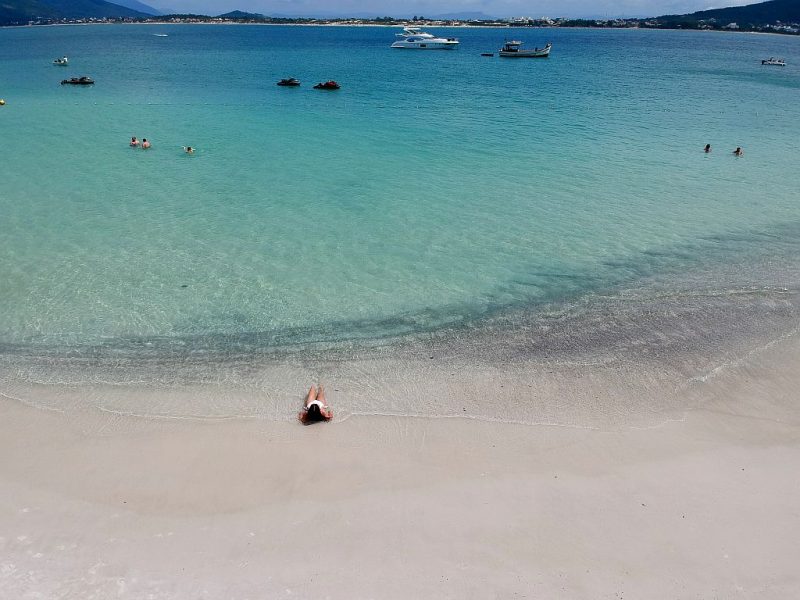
column 239, row 17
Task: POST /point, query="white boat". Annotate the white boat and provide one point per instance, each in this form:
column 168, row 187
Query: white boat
column 415, row 38
column 775, row 62
column 61, row 62
column 513, row 49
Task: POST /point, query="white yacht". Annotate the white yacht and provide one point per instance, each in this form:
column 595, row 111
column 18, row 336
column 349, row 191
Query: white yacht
column 413, row 37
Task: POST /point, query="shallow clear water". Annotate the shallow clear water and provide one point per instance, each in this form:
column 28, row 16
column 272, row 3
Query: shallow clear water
column 434, row 189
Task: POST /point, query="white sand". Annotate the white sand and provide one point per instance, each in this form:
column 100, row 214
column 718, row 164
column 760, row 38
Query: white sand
column 707, row 505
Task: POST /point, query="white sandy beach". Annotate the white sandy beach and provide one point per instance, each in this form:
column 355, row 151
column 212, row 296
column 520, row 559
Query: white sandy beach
column 700, row 505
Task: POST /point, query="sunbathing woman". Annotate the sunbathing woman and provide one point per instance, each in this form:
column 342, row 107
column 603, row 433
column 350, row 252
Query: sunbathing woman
column 315, row 408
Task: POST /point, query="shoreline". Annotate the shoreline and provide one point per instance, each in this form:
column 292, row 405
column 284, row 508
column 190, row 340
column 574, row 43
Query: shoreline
column 658, row 429
column 653, row 342
column 698, row 506
column 401, row 25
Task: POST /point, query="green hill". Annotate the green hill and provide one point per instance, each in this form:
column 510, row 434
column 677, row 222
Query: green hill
column 764, row 13
column 238, row 14
column 22, row 11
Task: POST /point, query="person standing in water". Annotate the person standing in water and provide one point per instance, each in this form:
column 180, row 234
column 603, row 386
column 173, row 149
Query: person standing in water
column 738, row 151
column 315, row 408
column 707, row 149
column 145, row 144
column 134, row 142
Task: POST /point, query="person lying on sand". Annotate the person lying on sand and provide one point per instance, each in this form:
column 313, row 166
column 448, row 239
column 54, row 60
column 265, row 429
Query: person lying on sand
column 315, row 408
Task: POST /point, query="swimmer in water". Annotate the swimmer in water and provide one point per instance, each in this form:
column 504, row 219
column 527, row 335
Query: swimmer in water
column 145, row 144
column 188, row 149
column 134, row 142
column 707, row 149
column 738, row 151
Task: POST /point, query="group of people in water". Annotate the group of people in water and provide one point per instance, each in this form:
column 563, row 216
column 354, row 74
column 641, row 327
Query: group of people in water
column 144, row 145
column 737, row 152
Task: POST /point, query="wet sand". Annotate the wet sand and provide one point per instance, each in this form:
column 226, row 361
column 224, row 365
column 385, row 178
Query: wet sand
column 699, row 503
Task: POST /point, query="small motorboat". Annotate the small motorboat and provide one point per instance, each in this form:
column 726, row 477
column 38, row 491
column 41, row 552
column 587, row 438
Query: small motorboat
column 328, row 85
column 78, row 81
column 513, row 49
column 774, row 62
column 289, row 82
column 61, row 62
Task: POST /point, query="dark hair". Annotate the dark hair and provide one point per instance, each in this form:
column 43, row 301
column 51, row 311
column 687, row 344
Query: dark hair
column 312, row 414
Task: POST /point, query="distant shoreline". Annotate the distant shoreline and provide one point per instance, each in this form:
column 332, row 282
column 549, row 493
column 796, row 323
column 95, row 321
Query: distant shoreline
column 395, row 26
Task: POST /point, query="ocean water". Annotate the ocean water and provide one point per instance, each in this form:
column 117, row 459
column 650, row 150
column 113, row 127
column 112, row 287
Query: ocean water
column 435, row 193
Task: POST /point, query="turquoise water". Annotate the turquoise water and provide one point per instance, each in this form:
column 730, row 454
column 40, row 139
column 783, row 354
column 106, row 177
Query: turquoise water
column 435, row 189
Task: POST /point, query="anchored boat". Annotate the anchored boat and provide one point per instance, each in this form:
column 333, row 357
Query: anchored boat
column 513, row 49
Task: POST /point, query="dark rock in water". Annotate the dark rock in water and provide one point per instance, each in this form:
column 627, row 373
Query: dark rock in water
column 78, row 81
